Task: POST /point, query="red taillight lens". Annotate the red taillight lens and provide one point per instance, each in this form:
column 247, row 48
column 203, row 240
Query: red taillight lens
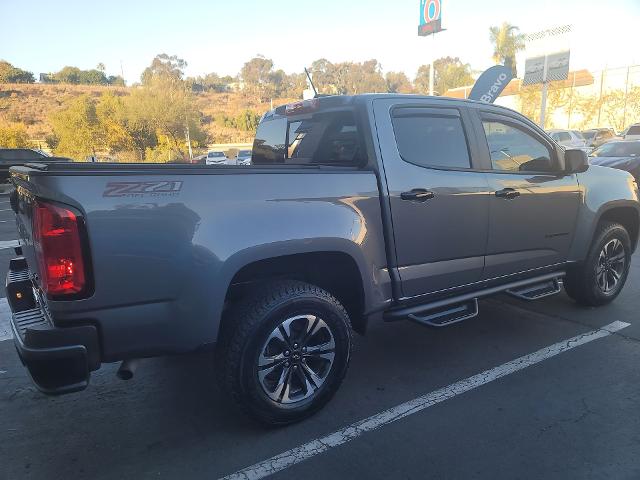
column 304, row 106
column 56, row 238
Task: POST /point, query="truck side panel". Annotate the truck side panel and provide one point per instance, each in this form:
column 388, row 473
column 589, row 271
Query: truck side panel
column 165, row 247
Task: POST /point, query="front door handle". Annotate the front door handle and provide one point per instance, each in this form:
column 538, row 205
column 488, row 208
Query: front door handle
column 507, row 193
column 417, row 194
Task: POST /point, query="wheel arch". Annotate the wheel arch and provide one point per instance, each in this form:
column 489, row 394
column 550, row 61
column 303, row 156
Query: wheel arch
column 341, row 270
column 625, row 215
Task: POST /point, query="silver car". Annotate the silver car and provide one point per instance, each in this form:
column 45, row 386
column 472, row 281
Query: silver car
column 569, row 139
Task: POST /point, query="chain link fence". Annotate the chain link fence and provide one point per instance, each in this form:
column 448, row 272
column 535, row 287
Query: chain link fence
column 607, row 98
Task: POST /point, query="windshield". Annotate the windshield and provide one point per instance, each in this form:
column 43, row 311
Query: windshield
column 215, row 154
column 634, row 130
column 589, row 135
column 244, row 153
column 618, row 149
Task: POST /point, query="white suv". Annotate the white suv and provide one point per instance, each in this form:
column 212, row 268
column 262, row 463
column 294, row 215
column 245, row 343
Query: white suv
column 570, row 139
column 216, row 158
column 632, row 133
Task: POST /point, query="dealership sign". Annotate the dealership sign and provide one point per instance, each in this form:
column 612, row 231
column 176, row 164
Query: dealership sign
column 557, row 68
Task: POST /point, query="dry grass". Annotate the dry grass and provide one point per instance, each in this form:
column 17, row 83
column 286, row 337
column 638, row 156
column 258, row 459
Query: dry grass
column 32, row 104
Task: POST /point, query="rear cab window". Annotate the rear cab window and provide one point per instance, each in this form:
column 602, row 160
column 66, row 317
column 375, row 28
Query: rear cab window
column 322, row 137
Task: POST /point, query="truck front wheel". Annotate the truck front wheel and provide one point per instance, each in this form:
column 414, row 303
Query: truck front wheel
column 600, row 278
column 284, row 351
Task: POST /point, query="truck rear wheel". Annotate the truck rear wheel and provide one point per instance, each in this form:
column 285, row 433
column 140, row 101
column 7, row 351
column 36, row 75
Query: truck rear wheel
column 600, row 278
column 285, row 351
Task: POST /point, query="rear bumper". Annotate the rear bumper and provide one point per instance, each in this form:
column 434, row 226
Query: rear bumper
column 59, row 359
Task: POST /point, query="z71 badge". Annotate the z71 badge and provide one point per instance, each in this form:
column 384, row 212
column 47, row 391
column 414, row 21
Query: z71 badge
column 140, row 189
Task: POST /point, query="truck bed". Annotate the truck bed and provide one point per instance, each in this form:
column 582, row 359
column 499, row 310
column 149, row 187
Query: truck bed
column 165, row 241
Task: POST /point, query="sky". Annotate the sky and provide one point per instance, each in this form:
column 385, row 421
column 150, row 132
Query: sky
column 219, row 36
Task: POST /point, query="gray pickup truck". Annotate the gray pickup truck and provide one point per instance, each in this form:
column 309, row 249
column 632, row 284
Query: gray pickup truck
column 354, row 209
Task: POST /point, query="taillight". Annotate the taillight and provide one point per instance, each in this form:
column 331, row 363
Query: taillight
column 56, row 237
column 303, row 106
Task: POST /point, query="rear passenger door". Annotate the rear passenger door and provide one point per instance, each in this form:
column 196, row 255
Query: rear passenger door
column 439, row 204
column 533, row 203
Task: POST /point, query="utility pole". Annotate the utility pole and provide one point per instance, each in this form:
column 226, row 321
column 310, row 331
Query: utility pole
column 543, row 102
column 600, row 97
column 626, row 93
column 431, row 68
column 573, row 86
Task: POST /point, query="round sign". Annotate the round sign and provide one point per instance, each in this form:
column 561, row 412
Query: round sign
column 431, row 10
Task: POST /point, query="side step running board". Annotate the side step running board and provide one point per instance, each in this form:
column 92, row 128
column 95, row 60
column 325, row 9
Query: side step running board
column 539, row 290
column 448, row 311
column 445, row 316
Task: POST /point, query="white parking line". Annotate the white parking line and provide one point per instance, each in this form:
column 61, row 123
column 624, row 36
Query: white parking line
column 8, row 244
column 351, row 432
column 5, row 315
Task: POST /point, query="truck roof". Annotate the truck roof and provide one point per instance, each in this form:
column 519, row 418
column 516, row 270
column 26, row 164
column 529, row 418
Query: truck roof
column 331, row 101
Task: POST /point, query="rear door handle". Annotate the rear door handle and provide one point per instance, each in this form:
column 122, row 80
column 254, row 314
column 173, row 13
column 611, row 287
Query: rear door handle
column 417, row 194
column 507, row 193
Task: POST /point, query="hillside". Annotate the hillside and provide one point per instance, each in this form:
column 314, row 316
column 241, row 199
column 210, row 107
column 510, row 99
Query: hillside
column 33, row 104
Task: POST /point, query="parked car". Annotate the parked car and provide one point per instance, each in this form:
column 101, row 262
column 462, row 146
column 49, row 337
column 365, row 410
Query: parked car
column 216, row 158
column 200, row 159
column 10, row 157
column 244, row 157
column 632, row 133
column 623, row 155
column 569, row 139
column 356, row 209
column 598, row 136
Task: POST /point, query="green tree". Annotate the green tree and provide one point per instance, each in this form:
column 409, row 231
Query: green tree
column 14, row 135
column 68, row 75
column 76, row 128
column 506, row 43
column 449, row 73
column 163, row 65
column 247, row 121
column 257, row 75
column 398, row 82
column 421, row 81
column 116, row 80
column 11, row 74
column 111, row 114
column 348, row 77
column 93, row 77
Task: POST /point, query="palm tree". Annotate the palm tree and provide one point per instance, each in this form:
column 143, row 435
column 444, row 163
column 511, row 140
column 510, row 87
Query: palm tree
column 507, row 41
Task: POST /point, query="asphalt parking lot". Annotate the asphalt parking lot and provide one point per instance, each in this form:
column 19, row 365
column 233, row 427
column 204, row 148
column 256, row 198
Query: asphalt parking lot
column 571, row 413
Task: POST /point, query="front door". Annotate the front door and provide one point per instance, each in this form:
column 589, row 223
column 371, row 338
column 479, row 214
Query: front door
column 439, row 204
column 533, row 204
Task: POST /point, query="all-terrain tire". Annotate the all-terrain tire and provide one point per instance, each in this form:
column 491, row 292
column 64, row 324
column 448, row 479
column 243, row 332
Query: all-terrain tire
column 582, row 281
column 258, row 318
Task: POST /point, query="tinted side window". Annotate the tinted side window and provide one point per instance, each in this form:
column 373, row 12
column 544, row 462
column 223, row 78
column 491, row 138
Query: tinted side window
column 634, row 130
column 431, row 140
column 327, row 138
column 269, row 144
column 515, row 150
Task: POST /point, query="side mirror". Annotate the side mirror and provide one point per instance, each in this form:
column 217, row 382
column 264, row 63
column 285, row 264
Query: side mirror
column 575, row 161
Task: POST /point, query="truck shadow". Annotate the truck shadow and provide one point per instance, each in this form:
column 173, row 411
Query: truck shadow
column 172, row 414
